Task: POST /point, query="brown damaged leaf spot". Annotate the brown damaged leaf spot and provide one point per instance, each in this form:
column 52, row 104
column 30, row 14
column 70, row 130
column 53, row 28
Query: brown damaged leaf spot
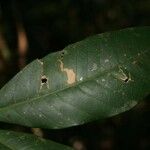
column 70, row 73
column 44, row 81
column 122, row 75
column 62, row 54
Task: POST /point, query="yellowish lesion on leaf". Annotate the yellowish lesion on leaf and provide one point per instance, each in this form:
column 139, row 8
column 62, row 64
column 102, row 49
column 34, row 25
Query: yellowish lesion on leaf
column 70, row 73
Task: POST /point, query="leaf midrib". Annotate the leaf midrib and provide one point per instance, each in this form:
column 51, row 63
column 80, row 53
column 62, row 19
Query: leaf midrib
column 74, row 85
column 56, row 91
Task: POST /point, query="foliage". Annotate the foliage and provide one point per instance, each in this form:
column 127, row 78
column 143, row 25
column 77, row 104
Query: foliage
column 99, row 77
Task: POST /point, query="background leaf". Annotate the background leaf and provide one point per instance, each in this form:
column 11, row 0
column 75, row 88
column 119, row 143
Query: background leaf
column 96, row 78
column 10, row 140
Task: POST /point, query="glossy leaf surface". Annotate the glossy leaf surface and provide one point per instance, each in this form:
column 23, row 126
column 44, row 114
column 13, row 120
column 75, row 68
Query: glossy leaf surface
column 10, row 140
column 96, row 78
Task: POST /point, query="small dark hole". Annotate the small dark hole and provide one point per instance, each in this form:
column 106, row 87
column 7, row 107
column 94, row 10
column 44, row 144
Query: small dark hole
column 62, row 55
column 126, row 80
column 44, row 80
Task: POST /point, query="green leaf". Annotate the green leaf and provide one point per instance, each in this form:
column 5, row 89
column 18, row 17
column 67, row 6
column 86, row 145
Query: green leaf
column 96, row 78
column 10, row 140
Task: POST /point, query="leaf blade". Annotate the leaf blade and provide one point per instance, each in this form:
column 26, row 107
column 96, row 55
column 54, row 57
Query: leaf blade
column 89, row 80
column 10, row 140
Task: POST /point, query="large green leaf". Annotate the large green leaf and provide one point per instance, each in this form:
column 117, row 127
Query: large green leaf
column 10, row 140
column 99, row 77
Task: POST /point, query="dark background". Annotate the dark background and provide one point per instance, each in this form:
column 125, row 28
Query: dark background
column 31, row 29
